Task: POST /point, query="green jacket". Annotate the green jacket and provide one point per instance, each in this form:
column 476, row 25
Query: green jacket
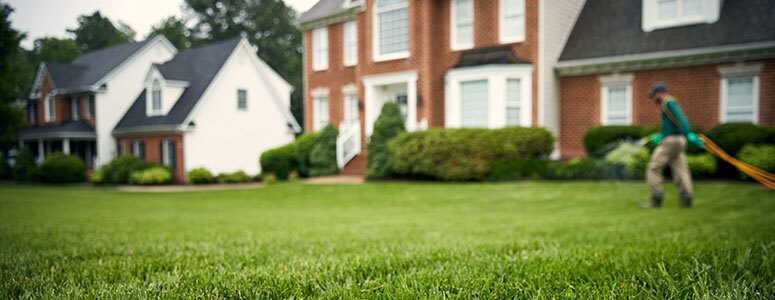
column 668, row 125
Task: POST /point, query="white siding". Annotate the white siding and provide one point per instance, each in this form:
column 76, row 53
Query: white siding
column 556, row 22
column 123, row 87
column 227, row 139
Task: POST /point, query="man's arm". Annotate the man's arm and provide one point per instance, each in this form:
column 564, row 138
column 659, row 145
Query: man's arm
column 675, row 109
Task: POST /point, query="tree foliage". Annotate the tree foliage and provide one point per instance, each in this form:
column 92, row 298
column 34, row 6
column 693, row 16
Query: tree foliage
column 13, row 67
column 56, row 50
column 388, row 125
column 268, row 24
column 175, row 30
column 95, row 31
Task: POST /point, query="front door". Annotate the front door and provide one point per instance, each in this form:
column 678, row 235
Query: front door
column 400, row 99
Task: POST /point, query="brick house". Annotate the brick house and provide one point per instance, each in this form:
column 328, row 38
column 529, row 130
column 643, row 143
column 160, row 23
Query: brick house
column 717, row 57
column 446, row 63
column 184, row 110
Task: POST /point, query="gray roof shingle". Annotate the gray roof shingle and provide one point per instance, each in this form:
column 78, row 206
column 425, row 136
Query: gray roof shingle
column 613, row 27
column 62, row 129
column 494, row 55
column 322, row 9
column 198, row 67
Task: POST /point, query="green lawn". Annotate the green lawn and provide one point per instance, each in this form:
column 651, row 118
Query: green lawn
column 388, row 240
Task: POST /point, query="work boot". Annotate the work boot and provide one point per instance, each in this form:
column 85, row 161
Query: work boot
column 656, row 202
column 685, row 200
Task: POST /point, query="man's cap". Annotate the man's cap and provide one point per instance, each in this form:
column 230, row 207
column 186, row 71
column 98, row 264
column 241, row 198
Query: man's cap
column 657, row 88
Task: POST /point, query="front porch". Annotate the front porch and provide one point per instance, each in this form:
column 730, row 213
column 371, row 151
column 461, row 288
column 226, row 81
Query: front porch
column 77, row 138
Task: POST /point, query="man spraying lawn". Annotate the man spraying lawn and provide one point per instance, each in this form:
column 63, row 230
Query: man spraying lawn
column 671, row 150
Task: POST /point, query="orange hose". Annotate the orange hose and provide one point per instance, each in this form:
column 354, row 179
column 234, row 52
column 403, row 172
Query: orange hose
column 765, row 178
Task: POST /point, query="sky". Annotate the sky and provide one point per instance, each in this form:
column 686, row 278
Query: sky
column 39, row 18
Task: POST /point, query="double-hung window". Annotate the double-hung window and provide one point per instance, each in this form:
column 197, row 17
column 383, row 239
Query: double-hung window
column 511, row 23
column 350, row 44
column 242, row 100
column 48, row 107
column 474, row 104
column 75, row 108
column 320, row 111
column 138, row 149
column 513, row 102
column 351, row 108
column 320, row 49
column 740, row 97
column 462, row 24
column 671, row 13
column 616, row 104
column 391, row 29
column 167, row 152
column 90, row 106
column 156, row 97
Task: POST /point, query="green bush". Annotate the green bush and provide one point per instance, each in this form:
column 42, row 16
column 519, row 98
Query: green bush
column 585, row 168
column 323, row 156
column 151, row 176
column 733, row 136
column 465, row 154
column 760, row 156
column 98, row 176
column 301, row 151
column 279, row 161
column 119, row 170
column 25, row 163
column 637, row 167
column 5, row 169
column 623, row 154
column 236, row 177
column 62, row 168
column 200, row 176
column 269, row 178
column 702, row 165
column 518, row 169
column 388, row 125
column 598, row 140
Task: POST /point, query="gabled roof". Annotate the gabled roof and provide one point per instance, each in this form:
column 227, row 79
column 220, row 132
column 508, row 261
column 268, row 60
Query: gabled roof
column 91, row 67
column 613, row 28
column 330, row 11
column 494, row 55
column 198, row 67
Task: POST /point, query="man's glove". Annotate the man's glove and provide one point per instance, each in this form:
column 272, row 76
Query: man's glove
column 694, row 139
column 656, row 138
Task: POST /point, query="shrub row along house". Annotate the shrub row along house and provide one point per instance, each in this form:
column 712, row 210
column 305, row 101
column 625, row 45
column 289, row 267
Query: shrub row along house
column 564, row 65
column 217, row 106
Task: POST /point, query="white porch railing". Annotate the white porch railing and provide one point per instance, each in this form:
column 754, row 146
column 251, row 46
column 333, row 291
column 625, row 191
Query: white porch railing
column 348, row 143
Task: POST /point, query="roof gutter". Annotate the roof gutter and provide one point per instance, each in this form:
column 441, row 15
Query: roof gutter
column 667, row 59
column 345, row 15
column 150, row 129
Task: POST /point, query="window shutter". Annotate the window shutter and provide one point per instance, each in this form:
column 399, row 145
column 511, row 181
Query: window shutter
column 142, row 149
column 171, row 153
column 161, row 152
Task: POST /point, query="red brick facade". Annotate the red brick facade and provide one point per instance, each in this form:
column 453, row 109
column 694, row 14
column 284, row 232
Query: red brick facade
column 430, row 56
column 62, row 111
column 696, row 87
column 152, row 150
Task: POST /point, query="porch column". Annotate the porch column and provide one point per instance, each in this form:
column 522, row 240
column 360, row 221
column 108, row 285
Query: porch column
column 66, row 146
column 411, row 99
column 41, row 151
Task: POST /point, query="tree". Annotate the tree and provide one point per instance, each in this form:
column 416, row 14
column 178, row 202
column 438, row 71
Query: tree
column 322, row 158
column 175, row 30
column 95, row 31
column 388, row 125
column 56, row 50
column 13, row 74
column 268, row 24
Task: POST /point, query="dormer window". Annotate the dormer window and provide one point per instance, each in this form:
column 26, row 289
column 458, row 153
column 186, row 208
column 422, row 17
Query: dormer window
column 156, row 97
column 659, row 14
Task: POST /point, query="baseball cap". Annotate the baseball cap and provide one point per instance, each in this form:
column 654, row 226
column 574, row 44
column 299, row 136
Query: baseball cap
column 657, row 88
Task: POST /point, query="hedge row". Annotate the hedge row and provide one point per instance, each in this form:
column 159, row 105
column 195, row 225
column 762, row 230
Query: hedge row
column 466, row 154
column 204, row 176
column 312, row 154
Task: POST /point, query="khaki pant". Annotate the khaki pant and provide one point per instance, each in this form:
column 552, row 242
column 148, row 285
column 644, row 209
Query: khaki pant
column 672, row 152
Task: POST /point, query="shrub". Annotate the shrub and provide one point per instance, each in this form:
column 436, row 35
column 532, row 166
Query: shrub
column 760, row 156
column 465, row 154
column 5, row 169
column 279, row 161
column 598, row 140
column 301, row 151
column 733, row 136
column 702, row 165
column 388, row 125
column 518, row 169
column 25, row 162
column 585, row 168
column 236, row 177
column 637, row 167
column 323, row 156
column 623, row 154
column 269, row 178
column 200, row 176
column 119, row 170
column 62, row 168
column 98, row 176
column 151, row 176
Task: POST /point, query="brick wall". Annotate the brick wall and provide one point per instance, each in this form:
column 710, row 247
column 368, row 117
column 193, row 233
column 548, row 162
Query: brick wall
column 152, row 150
column 61, row 106
column 430, row 56
column 697, row 89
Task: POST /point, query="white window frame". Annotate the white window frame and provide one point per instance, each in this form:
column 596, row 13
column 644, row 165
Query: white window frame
column 350, row 93
column 238, row 100
column 88, row 106
column 320, row 48
column 318, row 122
column 610, row 81
column 750, row 70
column 496, row 76
column 454, row 44
column 136, row 149
column 504, row 35
column 165, row 155
column 75, row 112
column 650, row 19
column 375, row 32
column 49, row 109
column 157, row 111
column 349, row 43
column 511, row 104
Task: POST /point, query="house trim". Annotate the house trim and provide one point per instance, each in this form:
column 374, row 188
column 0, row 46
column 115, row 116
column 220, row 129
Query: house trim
column 615, row 80
column 726, row 72
column 502, row 38
column 376, row 56
column 454, row 44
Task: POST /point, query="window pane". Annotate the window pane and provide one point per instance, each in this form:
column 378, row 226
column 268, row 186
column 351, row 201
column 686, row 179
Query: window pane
column 617, row 100
column 321, row 112
column 513, row 92
column 474, row 106
column 403, row 106
column 156, row 100
column 740, row 116
column 393, row 31
column 465, row 34
column 514, row 7
column 385, row 3
column 617, row 120
column 512, row 116
column 667, row 9
column 692, row 7
column 242, row 99
column 514, row 26
column 740, row 92
column 464, row 11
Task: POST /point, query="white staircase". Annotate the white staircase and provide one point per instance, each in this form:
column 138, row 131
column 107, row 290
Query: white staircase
column 348, row 143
